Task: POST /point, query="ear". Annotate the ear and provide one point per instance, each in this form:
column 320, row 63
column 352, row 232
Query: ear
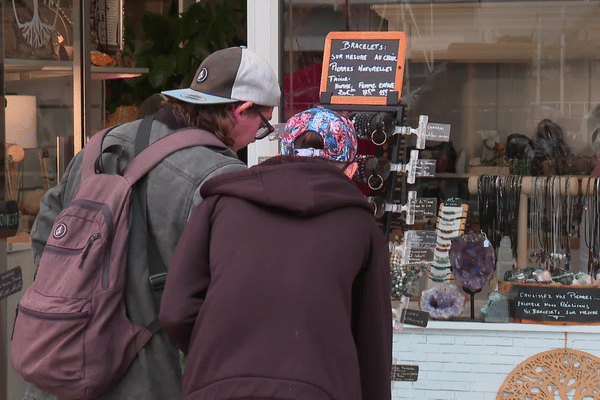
column 350, row 170
column 239, row 110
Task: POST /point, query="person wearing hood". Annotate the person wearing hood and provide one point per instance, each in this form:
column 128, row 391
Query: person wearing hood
column 279, row 287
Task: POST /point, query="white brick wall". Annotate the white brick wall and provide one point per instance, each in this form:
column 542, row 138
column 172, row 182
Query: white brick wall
column 471, row 360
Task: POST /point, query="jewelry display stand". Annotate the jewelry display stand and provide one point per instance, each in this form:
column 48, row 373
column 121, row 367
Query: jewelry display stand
column 451, row 223
column 373, row 123
column 556, row 194
column 527, row 185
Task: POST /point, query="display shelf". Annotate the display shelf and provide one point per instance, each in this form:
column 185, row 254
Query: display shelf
column 16, row 69
column 99, row 73
column 451, row 175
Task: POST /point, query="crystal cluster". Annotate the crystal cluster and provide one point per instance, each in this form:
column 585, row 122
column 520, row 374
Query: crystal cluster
column 473, row 261
column 443, row 301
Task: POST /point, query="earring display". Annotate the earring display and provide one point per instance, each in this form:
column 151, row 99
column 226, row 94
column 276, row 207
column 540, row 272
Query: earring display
column 384, row 172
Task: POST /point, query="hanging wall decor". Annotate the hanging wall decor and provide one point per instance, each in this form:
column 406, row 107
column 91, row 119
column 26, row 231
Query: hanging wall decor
column 36, row 29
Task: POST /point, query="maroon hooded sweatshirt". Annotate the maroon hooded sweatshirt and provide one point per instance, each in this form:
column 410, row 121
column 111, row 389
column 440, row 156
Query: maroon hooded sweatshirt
column 280, row 288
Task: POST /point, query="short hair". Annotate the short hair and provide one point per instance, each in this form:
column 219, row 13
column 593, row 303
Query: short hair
column 215, row 118
column 308, row 140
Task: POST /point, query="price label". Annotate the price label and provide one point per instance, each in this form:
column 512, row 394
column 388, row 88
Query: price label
column 415, row 317
column 425, row 207
column 420, row 255
column 424, row 239
column 405, row 373
column 426, row 168
column 11, row 282
column 437, row 132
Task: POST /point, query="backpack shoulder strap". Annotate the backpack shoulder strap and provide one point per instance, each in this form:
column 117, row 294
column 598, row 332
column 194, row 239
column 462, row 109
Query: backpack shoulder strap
column 91, row 151
column 166, row 145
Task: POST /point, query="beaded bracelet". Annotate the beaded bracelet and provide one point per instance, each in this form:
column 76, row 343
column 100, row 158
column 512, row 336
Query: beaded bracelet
column 436, row 279
column 440, row 267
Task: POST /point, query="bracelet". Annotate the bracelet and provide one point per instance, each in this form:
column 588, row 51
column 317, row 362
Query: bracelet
column 445, row 223
column 448, row 231
column 448, row 237
column 451, row 219
column 439, row 259
column 436, row 279
column 457, row 212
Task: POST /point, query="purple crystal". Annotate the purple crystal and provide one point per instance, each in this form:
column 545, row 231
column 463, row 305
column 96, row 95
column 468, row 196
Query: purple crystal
column 473, row 261
column 442, row 301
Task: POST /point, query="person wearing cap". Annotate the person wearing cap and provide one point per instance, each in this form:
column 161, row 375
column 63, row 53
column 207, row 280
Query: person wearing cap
column 232, row 96
column 279, row 287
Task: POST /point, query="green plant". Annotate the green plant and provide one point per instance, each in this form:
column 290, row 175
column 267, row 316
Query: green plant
column 174, row 46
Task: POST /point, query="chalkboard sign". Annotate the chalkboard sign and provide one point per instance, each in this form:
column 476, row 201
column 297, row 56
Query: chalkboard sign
column 363, row 68
column 426, row 239
column 408, row 373
column 419, row 255
column 426, row 168
column 425, row 206
column 555, row 304
column 9, row 218
column 11, row 282
column 415, row 317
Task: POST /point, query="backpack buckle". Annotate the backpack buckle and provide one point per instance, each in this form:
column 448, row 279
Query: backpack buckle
column 157, row 281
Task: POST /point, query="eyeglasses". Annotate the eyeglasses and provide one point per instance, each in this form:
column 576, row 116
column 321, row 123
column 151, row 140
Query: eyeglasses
column 265, row 129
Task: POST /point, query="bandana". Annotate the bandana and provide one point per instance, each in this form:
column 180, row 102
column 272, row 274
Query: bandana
column 339, row 136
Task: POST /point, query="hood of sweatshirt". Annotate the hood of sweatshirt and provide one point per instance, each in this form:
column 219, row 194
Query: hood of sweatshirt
column 296, row 185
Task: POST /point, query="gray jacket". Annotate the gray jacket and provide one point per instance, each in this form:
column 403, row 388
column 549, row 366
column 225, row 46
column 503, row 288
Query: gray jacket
column 172, row 193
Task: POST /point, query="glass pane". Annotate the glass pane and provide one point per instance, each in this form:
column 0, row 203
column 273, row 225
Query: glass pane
column 39, row 99
column 518, row 81
column 490, row 69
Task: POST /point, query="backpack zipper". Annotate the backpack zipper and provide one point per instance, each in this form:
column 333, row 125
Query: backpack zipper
column 86, row 249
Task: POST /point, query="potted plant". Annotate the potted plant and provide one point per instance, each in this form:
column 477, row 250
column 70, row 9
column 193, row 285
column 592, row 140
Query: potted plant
column 173, row 47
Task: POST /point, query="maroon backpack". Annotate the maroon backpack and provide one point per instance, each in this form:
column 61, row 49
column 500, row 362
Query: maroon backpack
column 72, row 337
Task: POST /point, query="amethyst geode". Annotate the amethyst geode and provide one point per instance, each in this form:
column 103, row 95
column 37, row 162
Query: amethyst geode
column 472, row 260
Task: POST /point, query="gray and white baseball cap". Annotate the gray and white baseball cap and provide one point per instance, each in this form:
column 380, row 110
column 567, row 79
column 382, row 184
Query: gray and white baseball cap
column 230, row 75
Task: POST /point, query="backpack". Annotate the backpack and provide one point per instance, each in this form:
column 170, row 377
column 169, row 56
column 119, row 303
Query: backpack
column 72, row 337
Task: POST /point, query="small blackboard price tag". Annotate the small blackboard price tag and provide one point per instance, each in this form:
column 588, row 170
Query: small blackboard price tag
column 363, row 68
column 453, row 202
column 405, row 372
column 426, row 168
column 9, row 218
column 425, row 239
column 425, row 206
column 555, row 304
column 438, row 132
column 415, row 317
column 11, row 282
column 418, row 255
